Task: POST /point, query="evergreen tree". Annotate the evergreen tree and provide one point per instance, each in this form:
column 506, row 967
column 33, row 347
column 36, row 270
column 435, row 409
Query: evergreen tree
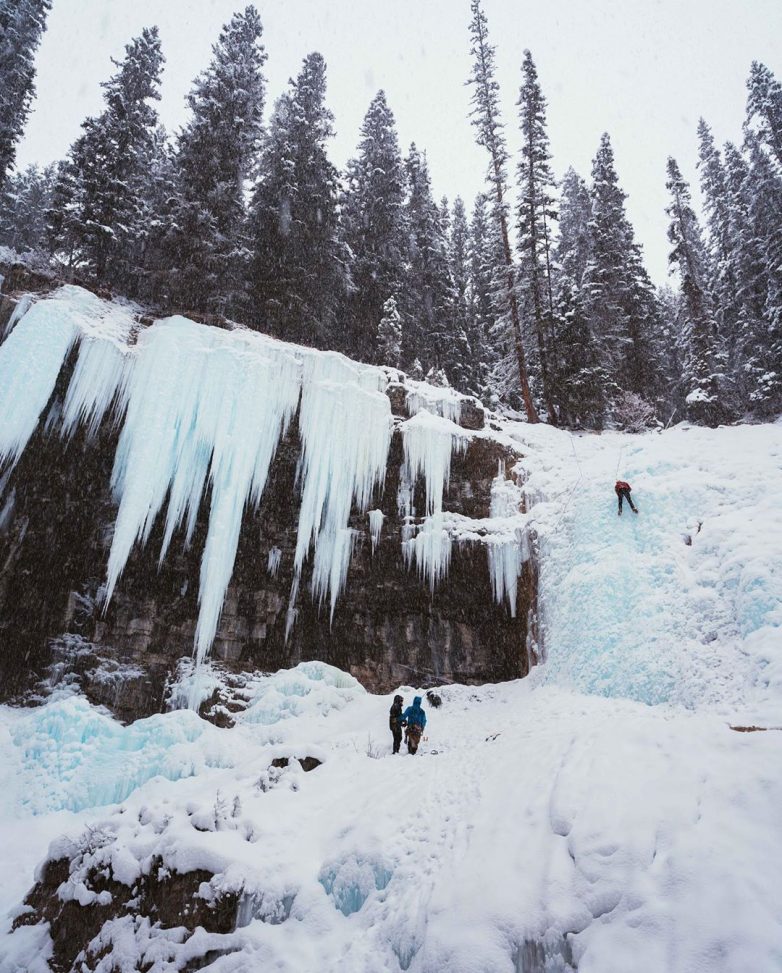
column 620, row 299
column 482, row 314
column 162, row 205
column 373, row 219
column 98, row 210
column 764, row 354
column 715, row 202
column 444, row 212
column 23, row 208
column 580, row 378
column 701, row 380
column 764, row 107
column 573, row 251
column 389, row 335
column 748, row 270
column 428, row 294
column 485, row 116
column 462, row 359
column 536, row 213
column 721, row 268
column 22, row 23
column 299, row 264
column 205, row 247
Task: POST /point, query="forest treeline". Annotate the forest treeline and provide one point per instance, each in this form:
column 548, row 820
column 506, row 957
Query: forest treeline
column 534, row 296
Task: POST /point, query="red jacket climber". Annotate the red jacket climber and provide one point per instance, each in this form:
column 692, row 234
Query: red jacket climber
column 623, row 493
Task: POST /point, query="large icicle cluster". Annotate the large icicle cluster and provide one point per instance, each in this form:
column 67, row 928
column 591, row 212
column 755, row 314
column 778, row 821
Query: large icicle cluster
column 429, row 442
column 203, row 408
column 443, row 402
column 345, row 427
column 507, row 549
column 33, row 353
column 202, row 412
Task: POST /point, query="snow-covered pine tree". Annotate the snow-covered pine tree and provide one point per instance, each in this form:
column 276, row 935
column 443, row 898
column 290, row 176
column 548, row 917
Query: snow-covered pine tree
column 161, row 200
column 713, row 188
column 429, row 292
column 373, row 221
column 619, row 296
column 701, row 379
column 747, row 269
column 716, row 205
column 764, row 361
column 444, row 211
column 481, row 309
column 389, row 335
column 579, row 375
column 98, row 210
column 22, row 23
column 205, row 248
column 535, row 217
column 463, row 371
column 573, row 251
column 299, row 266
column 485, row 115
column 23, row 205
column 764, row 108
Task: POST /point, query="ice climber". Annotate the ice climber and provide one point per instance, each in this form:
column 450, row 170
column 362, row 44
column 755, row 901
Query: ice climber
column 623, row 493
column 395, row 722
column 415, row 720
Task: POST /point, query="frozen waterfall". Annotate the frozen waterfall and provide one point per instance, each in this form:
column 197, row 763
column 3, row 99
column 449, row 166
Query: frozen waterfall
column 202, row 412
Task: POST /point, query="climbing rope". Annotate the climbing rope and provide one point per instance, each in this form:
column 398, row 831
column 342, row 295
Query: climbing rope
column 618, row 462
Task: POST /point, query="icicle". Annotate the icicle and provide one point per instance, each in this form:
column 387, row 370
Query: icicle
column 404, row 494
column 444, row 402
column 23, row 305
column 30, row 361
column 200, row 402
column 506, row 557
column 376, row 518
column 430, row 548
column 506, row 496
column 273, row 561
column 34, row 352
column 508, row 548
column 429, row 442
column 345, row 427
column 96, row 379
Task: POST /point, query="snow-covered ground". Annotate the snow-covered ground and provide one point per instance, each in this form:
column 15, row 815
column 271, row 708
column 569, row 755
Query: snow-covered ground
column 600, row 814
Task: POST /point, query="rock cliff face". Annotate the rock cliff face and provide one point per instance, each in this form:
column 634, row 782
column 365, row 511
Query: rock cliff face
column 56, row 523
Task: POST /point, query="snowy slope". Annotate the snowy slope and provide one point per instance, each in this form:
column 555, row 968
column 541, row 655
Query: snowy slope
column 600, row 814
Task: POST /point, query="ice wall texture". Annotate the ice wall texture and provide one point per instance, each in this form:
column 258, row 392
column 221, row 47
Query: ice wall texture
column 680, row 603
column 202, row 412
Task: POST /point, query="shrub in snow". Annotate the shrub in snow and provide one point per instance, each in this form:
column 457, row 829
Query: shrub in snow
column 632, row 413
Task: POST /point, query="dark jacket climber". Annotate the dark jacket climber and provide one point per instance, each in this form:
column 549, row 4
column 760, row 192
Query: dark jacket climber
column 415, row 719
column 623, row 493
column 395, row 722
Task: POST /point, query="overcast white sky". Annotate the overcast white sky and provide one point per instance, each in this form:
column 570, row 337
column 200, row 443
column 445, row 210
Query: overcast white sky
column 643, row 70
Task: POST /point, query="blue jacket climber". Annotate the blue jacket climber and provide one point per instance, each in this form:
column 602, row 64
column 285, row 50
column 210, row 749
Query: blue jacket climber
column 414, row 715
column 415, row 718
